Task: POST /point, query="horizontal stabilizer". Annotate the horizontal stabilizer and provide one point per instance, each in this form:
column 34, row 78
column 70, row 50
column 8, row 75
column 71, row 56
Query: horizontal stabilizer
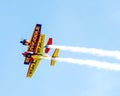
column 55, row 54
column 48, row 43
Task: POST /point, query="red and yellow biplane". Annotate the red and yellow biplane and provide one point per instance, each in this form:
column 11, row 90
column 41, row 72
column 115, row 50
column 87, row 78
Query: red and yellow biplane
column 37, row 49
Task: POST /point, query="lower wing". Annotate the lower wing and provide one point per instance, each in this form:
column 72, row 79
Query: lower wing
column 32, row 67
column 39, row 50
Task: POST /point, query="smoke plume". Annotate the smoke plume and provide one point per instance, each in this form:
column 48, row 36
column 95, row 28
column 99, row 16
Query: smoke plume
column 99, row 52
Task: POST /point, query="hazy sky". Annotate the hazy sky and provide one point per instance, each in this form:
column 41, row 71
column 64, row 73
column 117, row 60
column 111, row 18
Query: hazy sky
column 82, row 23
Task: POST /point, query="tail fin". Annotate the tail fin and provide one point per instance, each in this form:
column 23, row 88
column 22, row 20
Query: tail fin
column 48, row 43
column 55, row 54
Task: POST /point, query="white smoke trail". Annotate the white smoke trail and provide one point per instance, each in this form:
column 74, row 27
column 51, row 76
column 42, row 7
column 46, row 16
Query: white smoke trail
column 93, row 51
column 92, row 63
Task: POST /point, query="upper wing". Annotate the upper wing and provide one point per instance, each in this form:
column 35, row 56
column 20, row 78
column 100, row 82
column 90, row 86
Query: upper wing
column 33, row 42
column 34, row 38
column 55, row 54
column 32, row 67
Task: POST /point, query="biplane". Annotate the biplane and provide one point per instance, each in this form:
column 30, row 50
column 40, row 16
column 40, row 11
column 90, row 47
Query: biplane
column 37, row 49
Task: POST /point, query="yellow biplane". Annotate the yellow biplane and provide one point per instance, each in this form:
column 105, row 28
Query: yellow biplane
column 36, row 49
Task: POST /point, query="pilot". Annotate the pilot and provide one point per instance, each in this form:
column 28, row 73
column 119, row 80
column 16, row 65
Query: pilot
column 25, row 42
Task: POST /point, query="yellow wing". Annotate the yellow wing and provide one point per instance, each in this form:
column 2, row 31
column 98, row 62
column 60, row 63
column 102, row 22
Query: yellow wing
column 32, row 67
column 36, row 59
column 55, row 54
column 40, row 45
column 34, row 38
column 34, row 41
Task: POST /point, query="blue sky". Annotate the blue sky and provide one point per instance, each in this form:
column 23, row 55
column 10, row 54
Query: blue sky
column 83, row 23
